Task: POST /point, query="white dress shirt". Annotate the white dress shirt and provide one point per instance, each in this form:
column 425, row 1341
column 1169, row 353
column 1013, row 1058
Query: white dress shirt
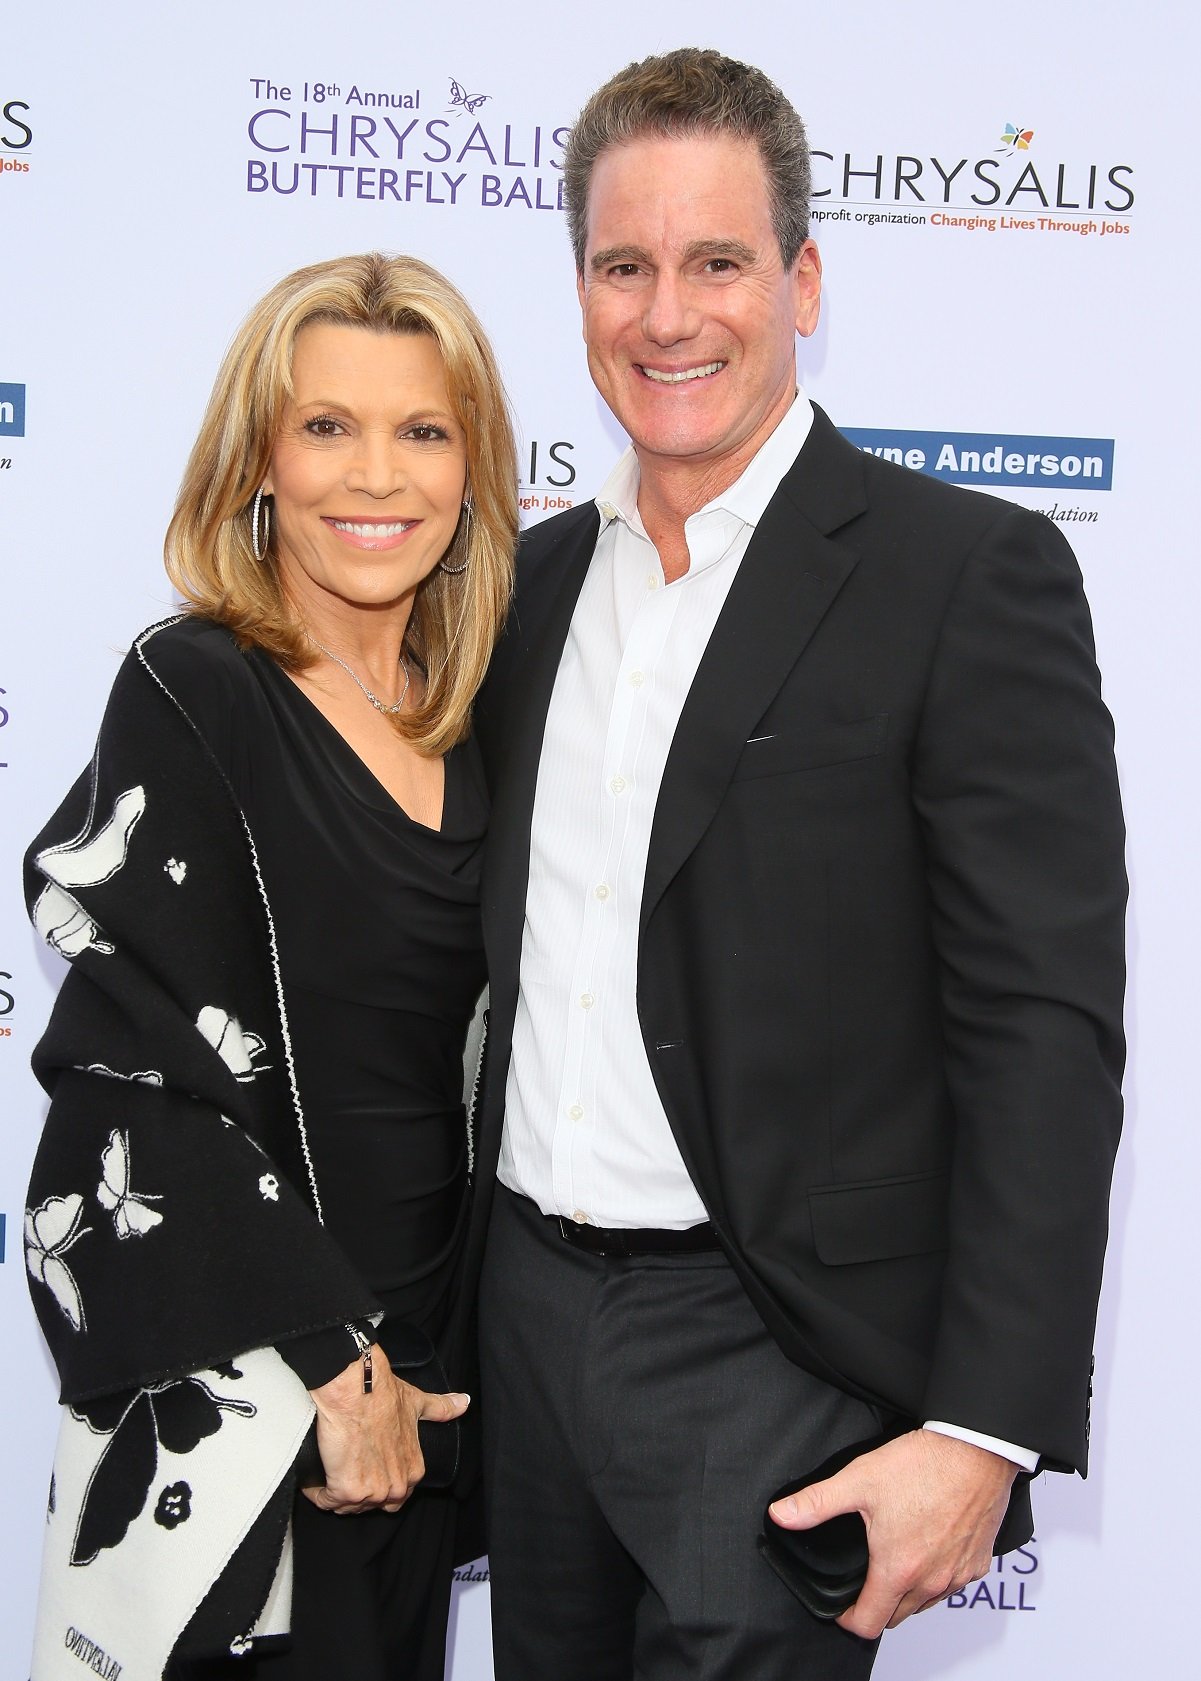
column 586, row 1136
column 585, row 1132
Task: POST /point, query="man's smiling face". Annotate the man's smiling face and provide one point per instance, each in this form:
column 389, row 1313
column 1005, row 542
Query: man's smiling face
column 689, row 314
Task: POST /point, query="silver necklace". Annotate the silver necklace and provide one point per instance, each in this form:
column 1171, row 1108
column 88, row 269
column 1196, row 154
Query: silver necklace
column 388, row 711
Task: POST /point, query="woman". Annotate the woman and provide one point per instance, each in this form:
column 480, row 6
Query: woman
column 248, row 1200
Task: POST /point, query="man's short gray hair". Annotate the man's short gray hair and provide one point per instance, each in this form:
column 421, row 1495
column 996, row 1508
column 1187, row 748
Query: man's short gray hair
column 694, row 91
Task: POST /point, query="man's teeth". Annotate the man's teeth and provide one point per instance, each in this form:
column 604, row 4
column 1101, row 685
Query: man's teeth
column 684, row 374
column 372, row 530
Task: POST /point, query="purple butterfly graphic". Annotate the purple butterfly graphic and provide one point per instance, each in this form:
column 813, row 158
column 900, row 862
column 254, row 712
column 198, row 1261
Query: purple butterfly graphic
column 469, row 102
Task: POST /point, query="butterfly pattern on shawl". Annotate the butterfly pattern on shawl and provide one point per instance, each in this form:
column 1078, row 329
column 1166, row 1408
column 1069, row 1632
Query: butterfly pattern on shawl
column 50, row 1231
column 140, row 1076
column 131, row 1211
column 238, row 1050
column 87, row 861
column 164, row 1456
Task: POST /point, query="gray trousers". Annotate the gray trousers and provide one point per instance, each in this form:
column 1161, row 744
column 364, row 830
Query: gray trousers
column 637, row 1418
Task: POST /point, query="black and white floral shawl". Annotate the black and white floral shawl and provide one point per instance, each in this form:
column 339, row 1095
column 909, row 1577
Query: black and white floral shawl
column 173, row 1234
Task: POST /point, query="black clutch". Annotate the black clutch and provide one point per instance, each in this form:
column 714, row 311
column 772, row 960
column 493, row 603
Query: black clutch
column 412, row 1357
column 825, row 1567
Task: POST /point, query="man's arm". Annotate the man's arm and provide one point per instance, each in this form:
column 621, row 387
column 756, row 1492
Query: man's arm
column 1014, row 783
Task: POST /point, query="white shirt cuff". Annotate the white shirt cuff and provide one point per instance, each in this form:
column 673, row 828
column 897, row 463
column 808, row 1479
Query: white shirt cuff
column 1024, row 1458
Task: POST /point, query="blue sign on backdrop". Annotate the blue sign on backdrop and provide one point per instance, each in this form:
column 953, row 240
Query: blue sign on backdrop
column 12, row 411
column 996, row 459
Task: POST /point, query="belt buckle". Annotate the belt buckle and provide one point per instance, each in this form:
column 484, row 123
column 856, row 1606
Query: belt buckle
column 572, row 1232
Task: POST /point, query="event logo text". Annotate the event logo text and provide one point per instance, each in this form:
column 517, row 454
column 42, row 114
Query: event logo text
column 363, row 142
column 909, row 180
column 1009, row 1586
column 550, row 472
column 16, row 136
column 1043, row 196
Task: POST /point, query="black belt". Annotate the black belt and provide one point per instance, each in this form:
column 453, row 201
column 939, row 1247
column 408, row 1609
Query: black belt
column 649, row 1240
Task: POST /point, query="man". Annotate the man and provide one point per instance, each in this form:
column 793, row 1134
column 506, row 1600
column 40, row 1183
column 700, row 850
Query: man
column 803, row 910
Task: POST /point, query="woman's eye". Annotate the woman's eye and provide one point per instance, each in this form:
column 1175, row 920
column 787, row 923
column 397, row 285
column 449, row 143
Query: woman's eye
column 322, row 426
column 426, row 433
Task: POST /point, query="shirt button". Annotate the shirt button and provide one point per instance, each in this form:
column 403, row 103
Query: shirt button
column 608, row 510
column 636, row 679
column 618, row 785
column 576, row 1112
column 587, row 1000
column 580, row 1218
column 652, row 581
column 601, row 892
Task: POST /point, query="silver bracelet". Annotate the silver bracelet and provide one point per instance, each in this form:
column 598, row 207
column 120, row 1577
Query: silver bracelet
column 364, row 1348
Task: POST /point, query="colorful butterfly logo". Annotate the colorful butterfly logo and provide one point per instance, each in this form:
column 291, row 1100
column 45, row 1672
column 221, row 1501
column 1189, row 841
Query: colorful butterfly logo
column 1015, row 140
column 469, row 102
column 132, row 1215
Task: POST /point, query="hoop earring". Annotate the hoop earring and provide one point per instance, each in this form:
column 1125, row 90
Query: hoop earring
column 466, row 529
column 260, row 545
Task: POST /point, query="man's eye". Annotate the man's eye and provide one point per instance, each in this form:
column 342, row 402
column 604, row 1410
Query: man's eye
column 720, row 265
column 624, row 271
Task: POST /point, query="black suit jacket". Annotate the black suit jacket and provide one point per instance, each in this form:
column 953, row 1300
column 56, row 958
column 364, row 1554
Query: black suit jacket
column 880, row 960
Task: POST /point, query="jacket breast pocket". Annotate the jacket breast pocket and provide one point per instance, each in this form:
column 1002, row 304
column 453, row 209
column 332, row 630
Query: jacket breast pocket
column 810, row 749
column 879, row 1219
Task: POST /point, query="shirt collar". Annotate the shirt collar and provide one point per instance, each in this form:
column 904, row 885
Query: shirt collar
column 747, row 498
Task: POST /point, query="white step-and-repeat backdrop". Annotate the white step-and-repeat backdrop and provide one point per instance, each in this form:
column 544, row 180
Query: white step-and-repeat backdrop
column 1007, row 207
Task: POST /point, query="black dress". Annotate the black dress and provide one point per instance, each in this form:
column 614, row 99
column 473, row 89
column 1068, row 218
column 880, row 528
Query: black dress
column 376, row 922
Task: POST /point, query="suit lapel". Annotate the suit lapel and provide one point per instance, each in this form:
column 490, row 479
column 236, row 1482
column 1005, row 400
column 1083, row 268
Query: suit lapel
column 788, row 578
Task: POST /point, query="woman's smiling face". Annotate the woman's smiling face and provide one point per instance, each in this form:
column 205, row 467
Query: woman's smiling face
column 369, row 468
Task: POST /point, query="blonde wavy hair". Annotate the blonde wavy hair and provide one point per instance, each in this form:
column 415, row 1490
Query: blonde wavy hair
column 209, row 554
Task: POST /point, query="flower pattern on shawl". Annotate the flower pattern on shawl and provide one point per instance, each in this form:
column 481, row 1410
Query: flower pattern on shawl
column 174, row 1506
column 175, row 1416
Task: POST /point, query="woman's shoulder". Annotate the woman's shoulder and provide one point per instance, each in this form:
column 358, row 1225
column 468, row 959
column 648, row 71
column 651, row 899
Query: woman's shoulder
column 189, row 644
column 200, row 665
column 191, row 656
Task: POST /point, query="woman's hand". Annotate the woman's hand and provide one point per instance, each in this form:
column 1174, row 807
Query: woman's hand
column 368, row 1443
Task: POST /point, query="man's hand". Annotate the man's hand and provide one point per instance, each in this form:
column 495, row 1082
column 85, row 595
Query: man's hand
column 368, row 1443
column 932, row 1506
